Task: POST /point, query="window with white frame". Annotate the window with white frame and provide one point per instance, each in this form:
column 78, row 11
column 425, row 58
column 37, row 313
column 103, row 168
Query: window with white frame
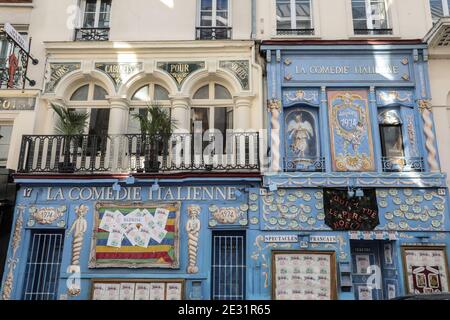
column 96, row 13
column 214, row 19
column 370, row 17
column 294, row 17
column 439, row 9
column 5, row 140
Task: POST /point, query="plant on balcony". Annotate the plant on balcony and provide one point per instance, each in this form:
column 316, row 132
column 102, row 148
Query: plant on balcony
column 71, row 124
column 157, row 127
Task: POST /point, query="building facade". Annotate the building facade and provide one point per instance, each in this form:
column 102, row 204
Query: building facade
column 351, row 204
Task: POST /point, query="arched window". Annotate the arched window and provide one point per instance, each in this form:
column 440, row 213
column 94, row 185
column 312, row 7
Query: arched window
column 142, row 98
column 212, row 109
column 93, row 99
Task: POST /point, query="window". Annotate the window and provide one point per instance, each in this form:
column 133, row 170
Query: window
column 43, row 265
column 391, row 140
column 294, row 17
column 228, row 265
column 92, row 98
column 141, row 99
column 439, row 9
column 95, row 22
column 214, row 20
column 5, row 139
column 370, row 17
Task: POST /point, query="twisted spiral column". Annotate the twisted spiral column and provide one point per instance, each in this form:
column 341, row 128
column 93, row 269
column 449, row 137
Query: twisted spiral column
column 425, row 109
column 274, row 107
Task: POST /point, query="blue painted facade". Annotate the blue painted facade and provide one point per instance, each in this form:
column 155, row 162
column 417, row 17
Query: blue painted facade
column 412, row 204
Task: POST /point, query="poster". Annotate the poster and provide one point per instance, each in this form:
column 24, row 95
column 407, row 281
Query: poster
column 364, row 293
column 388, row 254
column 304, row 275
column 136, row 235
column 350, row 131
column 362, row 263
column 344, row 213
column 426, row 269
column 391, row 291
column 143, row 290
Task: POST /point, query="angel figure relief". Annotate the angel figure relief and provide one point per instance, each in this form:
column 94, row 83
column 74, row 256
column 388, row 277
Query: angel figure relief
column 300, row 132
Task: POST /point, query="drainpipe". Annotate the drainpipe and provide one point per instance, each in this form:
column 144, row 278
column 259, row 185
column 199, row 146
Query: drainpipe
column 253, row 36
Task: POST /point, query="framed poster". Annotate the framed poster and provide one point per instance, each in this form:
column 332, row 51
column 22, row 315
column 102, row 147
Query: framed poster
column 137, row 289
column 362, row 263
column 425, row 269
column 136, row 235
column 350, row 131
column 304, row 275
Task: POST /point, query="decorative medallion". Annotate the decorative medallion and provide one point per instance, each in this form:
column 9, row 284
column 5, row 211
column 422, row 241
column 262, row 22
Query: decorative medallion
column 180, row 71
column 240, row 69
column 226, row 215
column 121, row 72
column 46, row 216
column 59, row 71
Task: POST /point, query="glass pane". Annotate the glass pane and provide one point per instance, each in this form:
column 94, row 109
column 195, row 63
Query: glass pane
column 359, row 12
column 89, row 20
column 161, row 93
column 206, row 5
column 100, row 93
column 379, row 18
column 360, row 24
column 437, row 11
column 222, row 19
column 220, row 92
column 103, row 20
column 222, row 5
column 230, row 124
column 199, row 117
column 202, row 93
column 134, row 126
column 81, row 94
column 303, row 9
column 105, row 6
column 206, row 19
column 5, row 138
column 392, row 141
column 142, row 94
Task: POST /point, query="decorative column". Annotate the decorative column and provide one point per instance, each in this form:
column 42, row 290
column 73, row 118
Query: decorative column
column 118, row 126
column 180, row 112
column 275, row 109
column 430, row 138
column 193, row 230
column 242, row 113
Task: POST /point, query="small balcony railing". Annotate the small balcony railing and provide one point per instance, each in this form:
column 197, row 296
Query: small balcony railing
column 304, row 165
column 137, row 153
column 295, row 32
column 373, row 32
column 92, row 34
column 213, row 33
column 402, row 164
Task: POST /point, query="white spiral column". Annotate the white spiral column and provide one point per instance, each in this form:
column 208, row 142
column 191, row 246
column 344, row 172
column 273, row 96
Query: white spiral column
column 275, row 108
column 427, row 116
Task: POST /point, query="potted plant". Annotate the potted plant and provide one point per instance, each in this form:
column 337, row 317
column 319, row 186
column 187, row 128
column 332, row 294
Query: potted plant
column 70, row 124
column 157, row 127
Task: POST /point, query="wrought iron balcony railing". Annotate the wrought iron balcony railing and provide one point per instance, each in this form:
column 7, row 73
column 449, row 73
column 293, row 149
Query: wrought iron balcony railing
column 304, row 165
column 92, row 34
column 213, row 33
column 373, row 32
column 137, row 153
column 402, row 164
column 295, row 32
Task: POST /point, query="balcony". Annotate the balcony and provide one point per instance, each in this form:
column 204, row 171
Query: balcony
column 295, row 32
column 92, row 34
column 136, row 153
column 213, row 33
column 304, row 165
column 373, row 32
column 402, row 164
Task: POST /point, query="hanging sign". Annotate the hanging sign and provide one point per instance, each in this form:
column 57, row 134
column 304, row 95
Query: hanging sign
column 16, row 37
column 343, row 213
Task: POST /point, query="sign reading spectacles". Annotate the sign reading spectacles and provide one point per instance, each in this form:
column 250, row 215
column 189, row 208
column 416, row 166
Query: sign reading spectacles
column 345, row 213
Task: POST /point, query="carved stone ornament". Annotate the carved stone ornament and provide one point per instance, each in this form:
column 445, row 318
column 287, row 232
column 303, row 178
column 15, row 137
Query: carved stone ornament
column 193, row 226
column 226, row 215
column 47, row 216
column 274, row 104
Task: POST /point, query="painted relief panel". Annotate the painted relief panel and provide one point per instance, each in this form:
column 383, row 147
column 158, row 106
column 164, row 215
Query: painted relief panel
column 302, row 137
column 426, row 270
column 351, row 131
column 136, row 236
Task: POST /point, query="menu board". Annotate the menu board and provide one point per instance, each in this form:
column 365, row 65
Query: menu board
column 137, row 290
column 303, row 275
column 426, row 269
